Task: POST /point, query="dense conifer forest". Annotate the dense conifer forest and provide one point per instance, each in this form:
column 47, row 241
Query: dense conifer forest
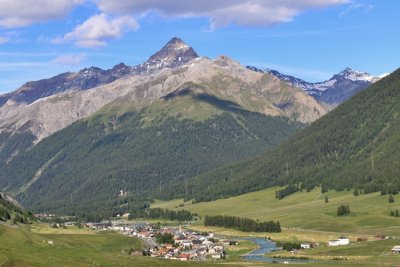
column 114, row 163
column 357, row 145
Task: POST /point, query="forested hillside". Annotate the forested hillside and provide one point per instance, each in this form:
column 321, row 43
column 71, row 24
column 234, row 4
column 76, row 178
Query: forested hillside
column 11, row 212
column 355, row 146
column 114, row 160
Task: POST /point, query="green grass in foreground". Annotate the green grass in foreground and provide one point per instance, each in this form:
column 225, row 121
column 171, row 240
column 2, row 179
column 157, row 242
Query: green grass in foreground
column 28, row 246
column 24, row 246
column 306, row 210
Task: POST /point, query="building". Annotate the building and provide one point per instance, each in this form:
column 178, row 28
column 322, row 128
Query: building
column 396, row 249
column 341, row 241
column 305, row 246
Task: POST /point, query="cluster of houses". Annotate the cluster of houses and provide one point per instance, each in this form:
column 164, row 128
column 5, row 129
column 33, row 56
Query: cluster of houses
column 186, row 245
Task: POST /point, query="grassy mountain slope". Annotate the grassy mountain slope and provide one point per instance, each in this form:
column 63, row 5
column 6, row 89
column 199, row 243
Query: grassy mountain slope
column 356, row 145
column 84, row 166
column 370, row 213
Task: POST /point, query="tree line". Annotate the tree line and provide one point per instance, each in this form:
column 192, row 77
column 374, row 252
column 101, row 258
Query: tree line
column 159, row 213
column 242, row 224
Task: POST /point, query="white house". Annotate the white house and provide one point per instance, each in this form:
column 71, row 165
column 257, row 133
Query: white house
column 305, row 245
column 344, row 241
column 341, row 241
column 396, row 249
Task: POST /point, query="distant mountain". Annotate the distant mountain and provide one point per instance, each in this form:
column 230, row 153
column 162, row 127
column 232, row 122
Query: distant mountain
column 83, row 80
column 332, row 92
column 357, row 145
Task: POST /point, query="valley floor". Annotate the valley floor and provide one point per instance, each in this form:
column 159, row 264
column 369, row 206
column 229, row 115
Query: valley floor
column 306, row 217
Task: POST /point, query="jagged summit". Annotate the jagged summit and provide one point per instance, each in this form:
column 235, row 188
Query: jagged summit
column 354, row 75
column 173, row 54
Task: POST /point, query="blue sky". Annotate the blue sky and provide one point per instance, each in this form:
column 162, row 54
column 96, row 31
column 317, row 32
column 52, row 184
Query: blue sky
column 310, row 39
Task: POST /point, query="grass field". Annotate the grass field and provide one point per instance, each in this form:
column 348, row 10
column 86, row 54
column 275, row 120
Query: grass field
column 28, row 246
column 306, row 210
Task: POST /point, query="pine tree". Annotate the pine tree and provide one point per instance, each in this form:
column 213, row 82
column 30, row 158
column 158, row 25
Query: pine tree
column 391, row 198
column 326, row 199
column 356, row 193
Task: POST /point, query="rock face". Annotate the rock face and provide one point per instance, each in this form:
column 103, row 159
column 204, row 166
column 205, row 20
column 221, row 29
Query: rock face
column 175, row 53
column 83, row 80
column 332, row 92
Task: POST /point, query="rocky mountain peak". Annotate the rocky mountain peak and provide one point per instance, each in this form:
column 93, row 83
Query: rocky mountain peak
column 353, row 75
column 173, row 54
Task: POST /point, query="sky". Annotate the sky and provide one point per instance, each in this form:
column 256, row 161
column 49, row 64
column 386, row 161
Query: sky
column 310, row 39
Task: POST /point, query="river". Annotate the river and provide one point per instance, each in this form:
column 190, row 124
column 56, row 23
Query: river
column 265, row 246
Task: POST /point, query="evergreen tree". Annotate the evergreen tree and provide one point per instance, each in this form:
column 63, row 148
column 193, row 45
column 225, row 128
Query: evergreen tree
column 326, row 199
column 391, row 198
column 355, row 192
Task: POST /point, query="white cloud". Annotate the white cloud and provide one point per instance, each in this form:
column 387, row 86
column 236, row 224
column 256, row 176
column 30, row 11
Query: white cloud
column 221, row 12
column 69, row 60
column 95, row 31
column 19, row 13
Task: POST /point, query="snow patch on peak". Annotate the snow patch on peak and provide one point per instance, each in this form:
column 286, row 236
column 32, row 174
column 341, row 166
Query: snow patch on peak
column 355, row 75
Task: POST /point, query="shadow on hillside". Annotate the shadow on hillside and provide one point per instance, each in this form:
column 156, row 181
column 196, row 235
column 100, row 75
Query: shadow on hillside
column 225, row 105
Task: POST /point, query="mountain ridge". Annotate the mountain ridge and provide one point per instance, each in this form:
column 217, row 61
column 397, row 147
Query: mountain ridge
column 175, row 52
column 332, row 92
column 50, row 114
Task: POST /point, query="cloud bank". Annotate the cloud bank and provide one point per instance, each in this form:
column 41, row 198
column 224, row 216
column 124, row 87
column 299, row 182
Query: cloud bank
column 19, row 13
column 220, row 12
column 118, row 17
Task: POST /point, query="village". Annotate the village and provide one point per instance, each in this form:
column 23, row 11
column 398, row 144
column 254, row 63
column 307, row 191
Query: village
column 170, row 242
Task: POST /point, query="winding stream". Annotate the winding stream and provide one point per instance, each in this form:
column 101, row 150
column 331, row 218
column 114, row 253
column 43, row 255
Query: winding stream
column 266, row 246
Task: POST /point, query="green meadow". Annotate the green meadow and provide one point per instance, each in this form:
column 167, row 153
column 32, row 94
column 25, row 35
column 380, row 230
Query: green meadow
column 370, row 213
column 25, row 246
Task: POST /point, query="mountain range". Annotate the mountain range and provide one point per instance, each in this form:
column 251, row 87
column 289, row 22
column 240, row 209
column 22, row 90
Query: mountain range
column 334, row 91
column 46, row 106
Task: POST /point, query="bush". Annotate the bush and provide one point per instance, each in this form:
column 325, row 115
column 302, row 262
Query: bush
column 343, row 210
